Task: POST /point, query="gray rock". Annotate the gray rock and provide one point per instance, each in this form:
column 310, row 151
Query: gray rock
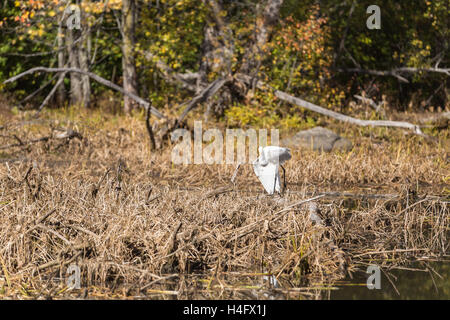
column 317, row 138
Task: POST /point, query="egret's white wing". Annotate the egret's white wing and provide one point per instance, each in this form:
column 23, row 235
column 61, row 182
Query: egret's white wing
column 276, row 154
column 268, row 175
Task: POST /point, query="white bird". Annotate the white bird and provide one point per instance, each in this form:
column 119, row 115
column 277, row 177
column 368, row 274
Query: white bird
column 266, row 167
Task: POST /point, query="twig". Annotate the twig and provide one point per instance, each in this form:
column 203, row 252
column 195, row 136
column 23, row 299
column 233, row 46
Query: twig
column 44, row 217
column 388, row 251
column 119, row 178
column 38, row 90
column 69, row 134
column 149, row 193
column 50, row 95
column 58, row 262
column 370, row 102
column 35, row 225
column 235, row 173
column 97, row 188
column 170, row 249
column 172, row 241
column 150, row 130
column 413, row 205
column 84, row 230
column 278, row 215
column 28, row 183
column 345, row 118
column 158, row 280
column 392, row 283
column 57, row 234
column 21, row 144
column 148, row 199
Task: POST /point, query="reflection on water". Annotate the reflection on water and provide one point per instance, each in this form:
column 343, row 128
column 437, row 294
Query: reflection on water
column 409, row 284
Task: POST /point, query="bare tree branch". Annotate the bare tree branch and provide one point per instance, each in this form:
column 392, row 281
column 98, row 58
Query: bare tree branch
column 34, row 93
column 376, row 73
column 50, row 95
column 97, row 78
column 414, row 70
column 169, row 73
column 370, row 102
column 397, row 72
column 209, row 91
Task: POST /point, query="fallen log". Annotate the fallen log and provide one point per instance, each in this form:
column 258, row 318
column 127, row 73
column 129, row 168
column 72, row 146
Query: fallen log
column 341, row 117
column 335, row 115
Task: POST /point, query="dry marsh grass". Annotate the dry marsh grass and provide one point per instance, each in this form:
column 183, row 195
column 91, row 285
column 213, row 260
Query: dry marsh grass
column 140, row 227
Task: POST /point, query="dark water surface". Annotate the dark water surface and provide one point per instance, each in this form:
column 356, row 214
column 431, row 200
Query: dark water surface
column 408, row 284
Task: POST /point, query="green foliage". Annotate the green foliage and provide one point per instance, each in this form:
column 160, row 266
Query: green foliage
column 413, row 34
column 300, row 60
column 265, row 117
column 304, row 53
column 173, row 31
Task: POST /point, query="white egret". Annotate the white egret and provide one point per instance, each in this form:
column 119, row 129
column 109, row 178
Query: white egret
column 266, row 167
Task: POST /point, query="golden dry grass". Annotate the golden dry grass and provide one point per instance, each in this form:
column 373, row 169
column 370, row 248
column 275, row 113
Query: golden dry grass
column 140, row 227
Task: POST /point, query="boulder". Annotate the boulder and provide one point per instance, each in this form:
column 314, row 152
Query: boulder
column 317, row 138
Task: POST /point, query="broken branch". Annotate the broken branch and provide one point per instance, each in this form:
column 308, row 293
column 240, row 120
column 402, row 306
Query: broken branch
column 97, row 78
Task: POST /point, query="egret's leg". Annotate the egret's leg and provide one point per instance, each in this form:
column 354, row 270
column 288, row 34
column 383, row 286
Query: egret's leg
column 284, row 178
column 274, row 184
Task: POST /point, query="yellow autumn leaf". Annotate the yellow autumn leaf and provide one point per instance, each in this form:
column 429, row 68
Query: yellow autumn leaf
column 52, row 13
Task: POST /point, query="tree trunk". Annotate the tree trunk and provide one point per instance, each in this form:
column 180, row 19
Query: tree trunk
column 76, row 95
column 264, row 26
column 85, row 81
column 217, row 52
column 83, row 58
column 61, row 93
column 128, row 55
column 217, row 43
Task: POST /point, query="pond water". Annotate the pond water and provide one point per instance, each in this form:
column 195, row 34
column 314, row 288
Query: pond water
column 409, row 284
